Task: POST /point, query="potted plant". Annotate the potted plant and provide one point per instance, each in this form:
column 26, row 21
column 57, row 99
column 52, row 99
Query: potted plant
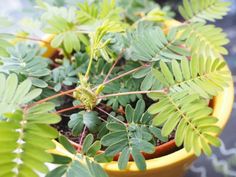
column 122, row 90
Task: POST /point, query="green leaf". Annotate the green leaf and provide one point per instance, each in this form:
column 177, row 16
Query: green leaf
column 157, row 133
column 94, row 148
column 102, row 158
column 26, row 60
column 114, row 137
column 186, row 115
column 91, row 121
column 58, row 172
column 200, row 38
column 113, row 149
column 57, row 159
column 141, row 73
column 62, row 24
column 149, row 43
column 201, row 11
column 139, row 110
column 64, row 141
column 206, row 81
column 76, row 124
column 32, row 142
column 129, row 113
column 114, row 126
column 138, row 158
column 124, row 158
column 12, row 95
column 87, row 143
column 143, row 145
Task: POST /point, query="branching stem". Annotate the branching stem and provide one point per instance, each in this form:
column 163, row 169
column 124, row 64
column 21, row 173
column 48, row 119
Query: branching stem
column 28, row 38
column 62, row 92
column 114, row 64
column 54, row 96
column 69, row 109
column 131, row 93
column 100, row 109
column 122, row 75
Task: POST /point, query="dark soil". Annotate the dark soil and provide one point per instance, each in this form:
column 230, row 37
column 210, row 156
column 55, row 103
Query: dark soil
column 63, row 128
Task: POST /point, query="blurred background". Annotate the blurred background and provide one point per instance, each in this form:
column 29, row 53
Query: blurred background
column 223, row 162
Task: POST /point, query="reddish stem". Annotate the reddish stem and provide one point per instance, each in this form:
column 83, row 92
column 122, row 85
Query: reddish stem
column 31, row 38
column 62, row 92
column 53, row 96
column 114, row 64
column 100, row 109
column 81, row 139
column 124, row 74
column 69, row 109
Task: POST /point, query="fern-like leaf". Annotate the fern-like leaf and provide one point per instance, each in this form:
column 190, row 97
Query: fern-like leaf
column 62, row 23
column 25, row 138
column 73, row 164
column 14, row 95
column 132, row 139
column 27, row 61
column 151, row 44
column 203, row 10
column 206, row 77
column 205, row 40
column 99, row 47
column 190, row 116
column 91, row 13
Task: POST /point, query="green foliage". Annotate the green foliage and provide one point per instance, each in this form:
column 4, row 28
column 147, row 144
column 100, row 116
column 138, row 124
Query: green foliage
column 147, row 9
column 190, row 116
column 14, row 95
column 96, row 12
column 125, row 85
column 98, row 47
column 150, row 44
column 83, row 118
column 205, row 77
column 75, row 164
column 64, row 75
column 131, row 138
column 26, row 61
column 107, row 48
column 205, row 40
column 149, row 81
column 62, row 22
column 203, row 10
column 25, row 138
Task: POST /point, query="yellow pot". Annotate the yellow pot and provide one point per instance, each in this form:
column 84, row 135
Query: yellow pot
column 174, row 164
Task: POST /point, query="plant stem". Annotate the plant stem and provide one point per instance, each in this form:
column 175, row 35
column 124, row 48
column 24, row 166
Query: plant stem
column 122, row 75
column 69, row 109
column 114, row 64
column 55, row 96
column 100, row 109
column 89, row 66
column 82, row 136
column 62, row 92
column 28, row 38
column 131, row 93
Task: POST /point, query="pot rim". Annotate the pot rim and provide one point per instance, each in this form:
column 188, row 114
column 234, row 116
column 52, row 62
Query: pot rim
column 161, row 150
